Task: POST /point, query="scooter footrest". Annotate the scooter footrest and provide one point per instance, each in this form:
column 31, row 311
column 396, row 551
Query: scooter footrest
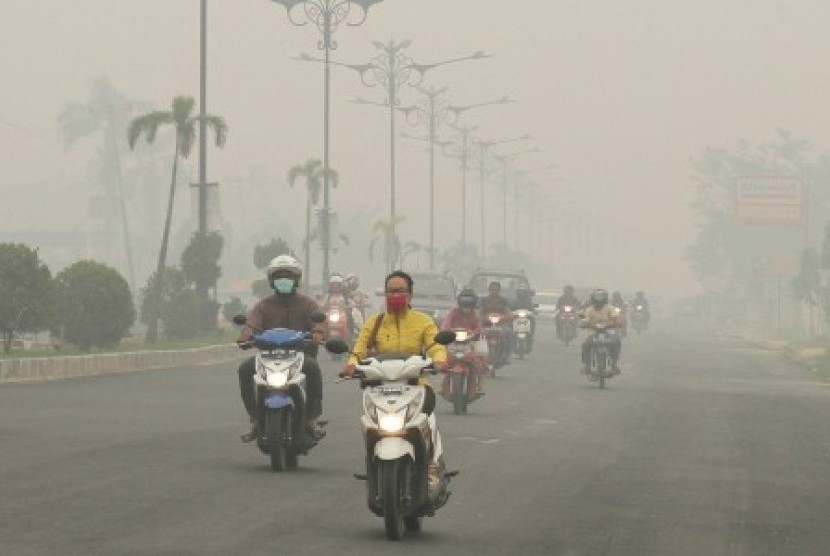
column 450, row 474
column 361, row 476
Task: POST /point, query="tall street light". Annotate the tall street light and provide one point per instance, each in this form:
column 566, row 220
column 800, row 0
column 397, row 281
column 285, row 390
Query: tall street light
column 505, row 160
column 517, row 191
column 390, row 69
column 432, row 111
column 327, row 15
column 484, row 147
column 463, row 153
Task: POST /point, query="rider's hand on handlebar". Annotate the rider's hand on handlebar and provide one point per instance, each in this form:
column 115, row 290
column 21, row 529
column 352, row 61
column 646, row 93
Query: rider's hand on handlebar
column 348, row 370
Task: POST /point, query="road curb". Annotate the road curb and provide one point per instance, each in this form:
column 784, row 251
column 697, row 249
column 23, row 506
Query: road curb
column 37, row 369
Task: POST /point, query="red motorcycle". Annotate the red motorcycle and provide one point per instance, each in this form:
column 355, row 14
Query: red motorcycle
column 464, row 369
column 496, row 330
column 337, row 321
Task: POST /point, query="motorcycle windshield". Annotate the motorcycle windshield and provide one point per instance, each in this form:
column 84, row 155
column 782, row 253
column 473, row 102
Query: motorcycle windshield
column 279, row 338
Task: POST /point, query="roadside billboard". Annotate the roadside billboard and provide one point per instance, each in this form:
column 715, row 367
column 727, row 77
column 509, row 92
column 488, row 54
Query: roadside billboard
column 770, row 200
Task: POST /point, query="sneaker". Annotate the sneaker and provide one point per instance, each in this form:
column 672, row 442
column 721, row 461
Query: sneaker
column 251, row 435
column 315, row 430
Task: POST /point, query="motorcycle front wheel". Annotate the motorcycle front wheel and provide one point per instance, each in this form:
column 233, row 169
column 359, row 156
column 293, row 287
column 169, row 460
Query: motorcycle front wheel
column 393, row 475
column 459, row 394
column 276, row 423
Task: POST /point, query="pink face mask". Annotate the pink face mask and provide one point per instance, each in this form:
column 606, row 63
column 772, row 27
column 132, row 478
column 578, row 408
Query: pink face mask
column 396, row 302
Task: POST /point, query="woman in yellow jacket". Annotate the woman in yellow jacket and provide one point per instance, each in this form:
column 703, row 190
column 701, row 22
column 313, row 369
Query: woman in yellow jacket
column 400, row 329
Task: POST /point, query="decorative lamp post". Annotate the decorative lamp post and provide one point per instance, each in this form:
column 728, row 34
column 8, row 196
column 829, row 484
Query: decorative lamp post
column 484, row 147
column 327, row 16
column 390, row 69
column 505, row 160
column 432, row 111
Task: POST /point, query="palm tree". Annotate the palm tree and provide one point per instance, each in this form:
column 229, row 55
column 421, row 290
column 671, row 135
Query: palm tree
column 386, row 231
column 186, row 124
column 314, row 174
column 107, row 111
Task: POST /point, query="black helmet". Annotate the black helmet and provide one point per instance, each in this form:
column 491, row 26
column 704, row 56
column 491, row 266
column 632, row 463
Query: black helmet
column 467, row 298
column 568, row 289
column 599, row 297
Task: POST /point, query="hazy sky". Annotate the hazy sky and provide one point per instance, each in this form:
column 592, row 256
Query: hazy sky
column 620, row 94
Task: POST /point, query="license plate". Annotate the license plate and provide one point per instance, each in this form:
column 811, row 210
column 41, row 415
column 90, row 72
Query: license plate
column 521, row 326
column 390, row 390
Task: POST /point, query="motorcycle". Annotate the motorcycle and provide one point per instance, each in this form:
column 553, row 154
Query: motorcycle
column 495, row 331
column 337, row 322
column 464, row 369
column 280, row 385
column 522, row 328
column 639, row 319
column 567, row 324
column 400, row 438
column 600, row 354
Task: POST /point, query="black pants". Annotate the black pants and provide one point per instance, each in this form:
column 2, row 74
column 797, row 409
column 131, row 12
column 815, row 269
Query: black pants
column 616, row 348
column 313, row 385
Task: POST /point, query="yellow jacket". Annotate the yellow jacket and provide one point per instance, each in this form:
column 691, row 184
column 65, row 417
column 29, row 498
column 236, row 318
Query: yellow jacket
column 411, row 332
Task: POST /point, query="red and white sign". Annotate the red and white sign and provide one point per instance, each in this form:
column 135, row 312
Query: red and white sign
column 769, row 200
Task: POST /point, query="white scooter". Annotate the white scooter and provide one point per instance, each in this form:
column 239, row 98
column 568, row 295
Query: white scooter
column 400, row 438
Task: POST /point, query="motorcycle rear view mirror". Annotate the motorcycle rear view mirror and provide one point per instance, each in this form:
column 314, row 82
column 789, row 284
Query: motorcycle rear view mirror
column 318, row 316
column 337, row 346
column 445, row 337
column 240, row 320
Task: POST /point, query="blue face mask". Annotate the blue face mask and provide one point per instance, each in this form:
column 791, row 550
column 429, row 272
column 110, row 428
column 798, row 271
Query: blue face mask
column 283, row 285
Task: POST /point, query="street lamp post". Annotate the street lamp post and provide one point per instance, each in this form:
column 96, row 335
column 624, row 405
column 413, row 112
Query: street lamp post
column 326, row 15
column 432, row 111
column 390, row 69
column 517, row 194
column 484, row 147
column 505, row 160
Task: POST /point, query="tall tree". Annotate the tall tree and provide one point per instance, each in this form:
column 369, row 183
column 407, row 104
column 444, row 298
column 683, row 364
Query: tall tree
column 186, row 125
column 314, row 175
column 106, row 113
column 26, row 291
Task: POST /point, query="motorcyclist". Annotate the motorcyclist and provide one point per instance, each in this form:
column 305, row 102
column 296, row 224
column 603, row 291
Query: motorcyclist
column 640, row 299
column 403, row 329
column 495, row 303
column 284, row 309
column 599, row 311
column 466, row 316
column 619, row 303
column 337, row 298
column 567, row 299
column 524, row 300
column 355, row 298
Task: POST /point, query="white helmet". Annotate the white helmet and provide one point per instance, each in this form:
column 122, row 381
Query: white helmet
column 285, row 262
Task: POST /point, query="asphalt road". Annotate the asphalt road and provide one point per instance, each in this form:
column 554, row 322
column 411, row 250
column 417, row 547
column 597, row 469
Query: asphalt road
column 704, row 446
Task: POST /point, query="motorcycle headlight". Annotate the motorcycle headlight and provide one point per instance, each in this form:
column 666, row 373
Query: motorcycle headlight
column 568, row 309
column 391, row 422
column 334, row 317
column 277, row 380
column 461, row 336
column 639, row 307
column 494, row 319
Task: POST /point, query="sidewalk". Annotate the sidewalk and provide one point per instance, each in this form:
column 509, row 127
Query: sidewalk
column 806, row 356
column 53, row 368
